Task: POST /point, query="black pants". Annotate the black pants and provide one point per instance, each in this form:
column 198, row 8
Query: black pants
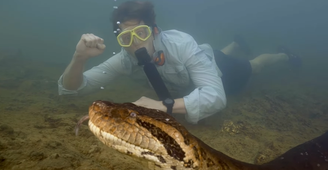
column 236, row 72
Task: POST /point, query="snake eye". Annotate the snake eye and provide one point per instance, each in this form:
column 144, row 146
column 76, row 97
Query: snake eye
column 132, row 114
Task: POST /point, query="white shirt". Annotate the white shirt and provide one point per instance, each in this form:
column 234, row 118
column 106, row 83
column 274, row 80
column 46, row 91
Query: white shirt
column 187, row 64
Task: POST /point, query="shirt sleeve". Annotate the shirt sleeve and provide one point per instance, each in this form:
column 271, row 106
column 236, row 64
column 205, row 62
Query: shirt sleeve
column 95, row 78
column 208, row 97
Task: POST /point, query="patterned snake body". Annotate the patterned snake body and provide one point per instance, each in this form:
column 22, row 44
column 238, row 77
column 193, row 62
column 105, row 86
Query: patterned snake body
column 159, row 139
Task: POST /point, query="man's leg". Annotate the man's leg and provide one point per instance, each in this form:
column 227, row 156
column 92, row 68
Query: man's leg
column 236, row 71
column 265, row 60
column 238, row 47
column 284, row 55
column 231, row 50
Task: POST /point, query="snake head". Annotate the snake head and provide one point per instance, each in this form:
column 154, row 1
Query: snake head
column 142, row 132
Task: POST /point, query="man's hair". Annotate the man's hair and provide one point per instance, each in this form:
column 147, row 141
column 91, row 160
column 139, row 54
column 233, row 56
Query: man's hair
column 130, row 10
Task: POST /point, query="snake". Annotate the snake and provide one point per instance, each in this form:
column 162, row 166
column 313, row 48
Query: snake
column 159, row 140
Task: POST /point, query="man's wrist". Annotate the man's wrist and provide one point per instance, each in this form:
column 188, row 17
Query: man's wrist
column 78, row 57
column 162, row 106
column 168, row 103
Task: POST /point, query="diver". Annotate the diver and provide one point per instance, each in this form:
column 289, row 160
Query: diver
column 201, row 76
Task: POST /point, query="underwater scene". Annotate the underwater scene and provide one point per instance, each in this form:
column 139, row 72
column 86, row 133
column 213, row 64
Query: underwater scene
column 248, row 81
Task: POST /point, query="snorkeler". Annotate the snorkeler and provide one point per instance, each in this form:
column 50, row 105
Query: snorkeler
column 202, row 76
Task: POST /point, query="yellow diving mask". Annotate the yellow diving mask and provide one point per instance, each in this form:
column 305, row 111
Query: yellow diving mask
column 141, row 32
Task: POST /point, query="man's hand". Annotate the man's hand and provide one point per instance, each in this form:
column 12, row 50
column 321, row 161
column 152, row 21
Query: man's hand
column 150, row 103
column 89, row 46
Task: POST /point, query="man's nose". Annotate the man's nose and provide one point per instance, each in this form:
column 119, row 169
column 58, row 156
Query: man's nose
column 136, row 40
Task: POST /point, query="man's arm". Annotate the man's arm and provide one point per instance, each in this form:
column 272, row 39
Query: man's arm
column 208, row 97
column 178, row 107
column 73, row 74
column 91, row 80
column 88, row 46
column 75, row 81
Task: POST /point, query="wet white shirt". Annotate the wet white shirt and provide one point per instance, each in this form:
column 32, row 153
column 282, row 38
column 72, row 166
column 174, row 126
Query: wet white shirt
column 187, row 64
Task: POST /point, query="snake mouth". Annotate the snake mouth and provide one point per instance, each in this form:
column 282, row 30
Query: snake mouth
column 141, row 132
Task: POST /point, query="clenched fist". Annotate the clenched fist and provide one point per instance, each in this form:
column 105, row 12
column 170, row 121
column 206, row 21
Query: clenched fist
column 89, row 46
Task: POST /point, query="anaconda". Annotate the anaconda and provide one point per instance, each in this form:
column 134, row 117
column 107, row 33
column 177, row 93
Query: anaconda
column 158, row 138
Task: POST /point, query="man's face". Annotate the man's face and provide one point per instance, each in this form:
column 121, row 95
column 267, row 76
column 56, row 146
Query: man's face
column 148, row 44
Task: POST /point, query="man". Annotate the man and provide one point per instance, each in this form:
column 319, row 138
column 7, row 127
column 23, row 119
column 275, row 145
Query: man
column 189, row 68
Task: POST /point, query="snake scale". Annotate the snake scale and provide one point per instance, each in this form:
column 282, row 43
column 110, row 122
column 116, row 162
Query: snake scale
column 156, row 137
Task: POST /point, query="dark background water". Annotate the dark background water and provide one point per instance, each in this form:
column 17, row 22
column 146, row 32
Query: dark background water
column 50, row 30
